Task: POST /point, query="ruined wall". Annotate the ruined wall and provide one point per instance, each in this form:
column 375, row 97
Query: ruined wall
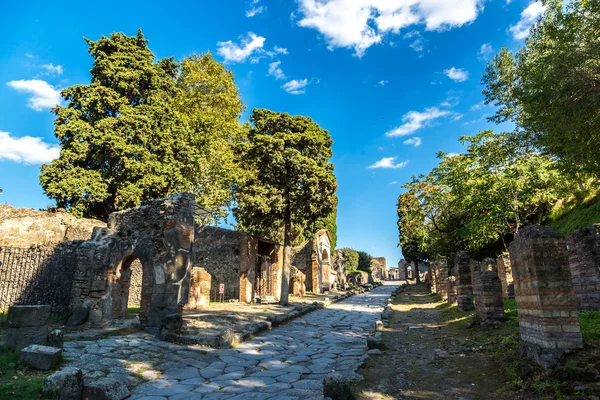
column 488, row 300
column 25, row 227
column 440, row 278
column 302, row 258
column 506, row 276
column 584, row 262
column 220, row 251
column 544, row 293
column 37, row 275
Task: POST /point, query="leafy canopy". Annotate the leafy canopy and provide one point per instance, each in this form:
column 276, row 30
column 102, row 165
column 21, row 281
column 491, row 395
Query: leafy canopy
column 143, row 129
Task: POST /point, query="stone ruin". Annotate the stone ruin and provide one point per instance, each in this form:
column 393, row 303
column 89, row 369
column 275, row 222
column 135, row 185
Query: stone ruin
column 464, row 288
column 506, row 276
column 314, row 260
column 487, row 292
column 159, row 234
column 339, row 271
column 545, row 296
column 584, row 262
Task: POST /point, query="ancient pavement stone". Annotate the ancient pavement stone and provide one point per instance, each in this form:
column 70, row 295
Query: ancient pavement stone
column 288, row 362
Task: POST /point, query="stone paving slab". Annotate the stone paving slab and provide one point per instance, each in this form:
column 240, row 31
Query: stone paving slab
column 287, row 362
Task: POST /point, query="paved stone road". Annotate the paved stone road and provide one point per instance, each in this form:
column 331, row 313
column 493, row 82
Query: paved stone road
column 286, row 363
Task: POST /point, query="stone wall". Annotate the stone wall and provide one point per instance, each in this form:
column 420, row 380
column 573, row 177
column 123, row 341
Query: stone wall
column 37, row 276
column 219, row 252
column 464, row 289
column 544, row 293
column 489, row 304
column 584, row 262
column 506, row 276
column 441, row 278
column 25, row 227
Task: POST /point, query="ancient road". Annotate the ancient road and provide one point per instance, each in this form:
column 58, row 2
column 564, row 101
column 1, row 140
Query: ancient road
column 288, row 362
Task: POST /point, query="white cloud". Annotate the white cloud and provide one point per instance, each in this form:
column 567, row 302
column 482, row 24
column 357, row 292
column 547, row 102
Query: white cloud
column 359, row 24
column 418, row 42
column 234, row 52
column 27, row 149
column 383, row 83
column 415, row 141
column 53, row 69
column 43, row 94
column 280, row 50
column 275, row 71
column 393, row 183
column 388, row 162
column 456, row 116
column 486, row 51
column 457, row 74
column 414, row 120
column 255, row 10
column 296, row 86
column 528, row 18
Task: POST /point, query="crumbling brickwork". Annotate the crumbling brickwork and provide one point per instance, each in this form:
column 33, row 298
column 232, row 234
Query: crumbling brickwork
column 441, row 278
column 506, row 276
column 584, row 262
column 464, row 289
column 199, row 289
column 544, row 292
column 489, row 304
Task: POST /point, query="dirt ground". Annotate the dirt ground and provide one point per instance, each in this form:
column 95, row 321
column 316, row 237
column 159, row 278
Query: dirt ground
column 429, row 356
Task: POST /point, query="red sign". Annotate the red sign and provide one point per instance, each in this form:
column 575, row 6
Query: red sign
column 222, row 288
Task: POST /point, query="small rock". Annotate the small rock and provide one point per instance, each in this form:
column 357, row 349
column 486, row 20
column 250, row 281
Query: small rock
column 105, row 389
column 66, row 384
column 55, row 339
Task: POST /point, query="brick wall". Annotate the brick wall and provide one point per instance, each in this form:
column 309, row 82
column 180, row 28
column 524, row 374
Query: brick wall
column 584, row 262
column 506, row 276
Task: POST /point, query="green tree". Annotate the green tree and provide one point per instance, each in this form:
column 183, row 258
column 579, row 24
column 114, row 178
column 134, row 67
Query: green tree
column 143, row 129
column 549, row 88
column 411, row 228
column 351, row 257
column 328, row 222
column 289, row 180
column 210, row 106
column 364, row 261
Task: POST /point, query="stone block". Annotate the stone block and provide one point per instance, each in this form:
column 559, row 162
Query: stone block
column 18, row 338
column 66, row 384
column 78, row 317
column 25, row 316
column 40, row 357
column 339, row 385
column 464, row 289
column 55, row 339
column 105, row 389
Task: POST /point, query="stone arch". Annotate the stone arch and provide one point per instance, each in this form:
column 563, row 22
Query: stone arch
column 160, row 234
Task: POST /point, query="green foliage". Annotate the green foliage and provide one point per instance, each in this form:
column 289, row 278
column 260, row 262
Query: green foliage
column 144, row 129
column 17, row 382
column 583, row 215
column 364, row 261
column 549, row 87
column 351, row 257
column 590, row 326
column 329, row 222
column 478, row 199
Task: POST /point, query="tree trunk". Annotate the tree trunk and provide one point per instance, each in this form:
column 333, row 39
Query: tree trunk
column 417, row 272
column 405, row 272
column 287, row 255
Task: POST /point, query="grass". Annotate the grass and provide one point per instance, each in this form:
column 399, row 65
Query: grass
column 579, row 216
column 133, row 310
column 590, row 326
column 16, row 381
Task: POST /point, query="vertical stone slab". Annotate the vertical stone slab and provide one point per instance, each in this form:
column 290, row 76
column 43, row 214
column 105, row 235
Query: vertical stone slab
column 545, row 297
column 489, row 304
column 200, row 289
column 452, row 293
column 464, row 289
column 584, row 261
column 442, row 279
column 433, row 268
column 506, row 276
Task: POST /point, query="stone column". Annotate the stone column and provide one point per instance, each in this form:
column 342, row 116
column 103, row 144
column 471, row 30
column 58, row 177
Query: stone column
column 433, row 268
column 584, row 261
column 506, row 276
column 442, row 278
column 488, row 301
column 464, row 289
column 545, row 297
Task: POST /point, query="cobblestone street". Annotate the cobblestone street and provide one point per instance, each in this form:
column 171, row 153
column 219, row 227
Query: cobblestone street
column 288, row 362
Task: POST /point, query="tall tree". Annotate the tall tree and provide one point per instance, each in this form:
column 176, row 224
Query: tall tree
column 549, row 88
column 351, row 257
column 411, row 229
column 289, row 179
column 143, row 129
column 364, row 261
column 210, row 106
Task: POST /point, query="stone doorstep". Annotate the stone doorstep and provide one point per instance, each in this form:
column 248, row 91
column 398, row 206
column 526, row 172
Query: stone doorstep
column 229, row 337
column 40, row 357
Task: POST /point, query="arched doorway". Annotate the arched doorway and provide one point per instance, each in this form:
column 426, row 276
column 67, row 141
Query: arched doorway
column 131, row 290
column 325, row 271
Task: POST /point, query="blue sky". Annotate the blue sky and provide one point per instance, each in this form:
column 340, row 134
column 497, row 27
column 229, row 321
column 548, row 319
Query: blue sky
column 394, row 81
